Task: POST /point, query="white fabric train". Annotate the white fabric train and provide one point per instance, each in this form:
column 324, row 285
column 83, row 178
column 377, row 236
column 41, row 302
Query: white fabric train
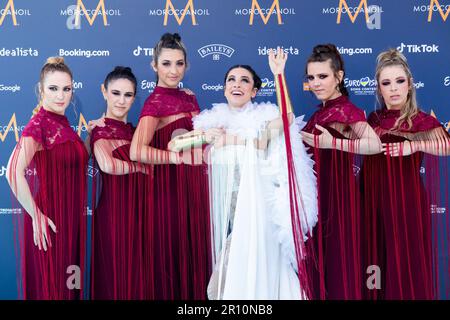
column 250, row 213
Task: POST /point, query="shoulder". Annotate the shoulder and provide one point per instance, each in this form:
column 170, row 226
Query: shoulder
column 99, row 132
column 424, row 121
column 374, row 118
column 354, row 112
column 150, row 107
column 190, row 98
column 34, row 127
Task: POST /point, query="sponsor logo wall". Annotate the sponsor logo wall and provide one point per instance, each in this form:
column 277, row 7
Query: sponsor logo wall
column 96, row 35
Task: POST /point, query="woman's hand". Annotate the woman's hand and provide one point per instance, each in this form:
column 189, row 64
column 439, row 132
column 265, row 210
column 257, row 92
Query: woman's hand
column 322, row 141
column 188, row 91
column 41, row 224
column 277, row 61
column 96, row 123
column 213, row 134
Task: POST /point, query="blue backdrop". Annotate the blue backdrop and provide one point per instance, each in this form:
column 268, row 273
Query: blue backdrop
column 94, row 36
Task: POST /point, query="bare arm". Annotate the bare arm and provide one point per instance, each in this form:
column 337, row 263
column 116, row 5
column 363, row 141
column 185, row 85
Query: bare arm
column 438, row 147
column 103, row 150
column 435, row 142
column 141, row 151
column 87, row 144
column 18, row 162
column 367, row 141
column 273, row 130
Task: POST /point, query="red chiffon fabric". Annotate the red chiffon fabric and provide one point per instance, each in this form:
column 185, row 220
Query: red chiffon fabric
column 117, row 226
column 404, row 237
column 57, row 180
column 335, row 269
column 176, row 230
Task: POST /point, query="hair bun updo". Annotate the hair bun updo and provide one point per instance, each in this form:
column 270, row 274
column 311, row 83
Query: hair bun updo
column 121, row 69
column 121, row 72
column 325, row 52
column 169, row 41
column 55, row 60
column 392, row 55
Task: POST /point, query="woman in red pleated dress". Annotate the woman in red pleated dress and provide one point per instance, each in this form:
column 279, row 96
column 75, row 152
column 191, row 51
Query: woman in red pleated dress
column 117, row 271
column 337, row 131
column 47, row 174
column 406, row 232
column 176, row 231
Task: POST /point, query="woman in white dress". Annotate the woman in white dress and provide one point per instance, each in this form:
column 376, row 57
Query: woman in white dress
column 254, row 247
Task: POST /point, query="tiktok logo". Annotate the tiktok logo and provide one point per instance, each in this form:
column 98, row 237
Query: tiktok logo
column 148, row 52
column 418, row 48
column 3, row 171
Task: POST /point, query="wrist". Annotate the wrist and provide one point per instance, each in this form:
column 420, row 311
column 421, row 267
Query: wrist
column 415, row 146
column 175, row 158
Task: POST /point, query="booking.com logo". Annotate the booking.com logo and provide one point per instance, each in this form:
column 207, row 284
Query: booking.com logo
column 352, row 51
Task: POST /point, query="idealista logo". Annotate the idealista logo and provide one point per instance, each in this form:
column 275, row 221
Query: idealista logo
column 434, row 6
column 75, row 12
column 148, row 52
column 447, row 81
column 151, row 85
column 10, row 10
column 362, row 87
column 265, row 12
column 19, row 52
column 263, row 51
column 371, row 13
column 267, row 88
column 83, row 53
column 418, row 48
column 216, row 50
column 179, row 14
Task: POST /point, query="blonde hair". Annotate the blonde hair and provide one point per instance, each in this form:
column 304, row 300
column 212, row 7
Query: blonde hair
column 51, row 65
column 393, row 57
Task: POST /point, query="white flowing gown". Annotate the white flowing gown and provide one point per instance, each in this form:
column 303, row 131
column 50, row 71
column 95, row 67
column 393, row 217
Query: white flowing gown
column 250, row 207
